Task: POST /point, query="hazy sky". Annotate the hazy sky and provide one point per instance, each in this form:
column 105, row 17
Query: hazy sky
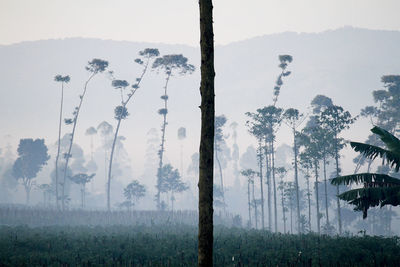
column 176, row 21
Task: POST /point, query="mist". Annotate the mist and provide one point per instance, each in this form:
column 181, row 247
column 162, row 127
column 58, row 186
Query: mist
column 105, row 134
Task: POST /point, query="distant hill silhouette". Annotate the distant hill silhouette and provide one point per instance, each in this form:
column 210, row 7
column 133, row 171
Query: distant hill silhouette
column 344, row 64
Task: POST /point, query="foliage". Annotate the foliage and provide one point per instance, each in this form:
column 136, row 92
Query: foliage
column 176, row 245
column 32, row 155
column 170, row 63
column 82, row 178
column 134, row 191
column 379, row 189
column 171, row 180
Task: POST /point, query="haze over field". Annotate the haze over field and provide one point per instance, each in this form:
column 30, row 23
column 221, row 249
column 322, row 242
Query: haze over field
column 111, row 154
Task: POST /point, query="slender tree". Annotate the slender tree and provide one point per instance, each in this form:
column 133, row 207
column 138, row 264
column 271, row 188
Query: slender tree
column 94, row 67
column 325, row 140
column 306, row 165
column 249, row 174
column 293, row 119
column 235, row 153
column 281, row 171
column 82, row 179
column 63, row 80
column 219, row 143
column 336, row 119
column 121, row 111
column 256, row 128
column 170, row 182
column 171, row 65
column 309, row 140
column 206, row 179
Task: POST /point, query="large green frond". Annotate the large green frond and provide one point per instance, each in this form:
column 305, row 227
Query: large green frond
column 364, row 198
column 368, row 179
column 371, row 152
column 391, row 141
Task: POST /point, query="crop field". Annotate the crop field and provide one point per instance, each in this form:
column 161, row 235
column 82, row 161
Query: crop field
column 176, row 245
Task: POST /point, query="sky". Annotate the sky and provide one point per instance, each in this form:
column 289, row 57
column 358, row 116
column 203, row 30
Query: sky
column 177, row 21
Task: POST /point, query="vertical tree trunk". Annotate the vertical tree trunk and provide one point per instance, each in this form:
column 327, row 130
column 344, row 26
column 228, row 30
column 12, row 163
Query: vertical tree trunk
column 249, row 202
column 255, row 209
column 59, row 143
column 72, row 139
column 260, row 163
column 337, row 187
column 206, row 179
column 283, row 208
column 268, row 173
column 273, row 181
column 110, row 166
column 317, row 196
column 220, row 174
column 326, row 192
column 28, row 193
column 309, row 201
column 296, row 180
column 161, row 153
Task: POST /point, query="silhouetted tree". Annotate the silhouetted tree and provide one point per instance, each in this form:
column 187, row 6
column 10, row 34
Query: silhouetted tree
column 219, row 142
column 94, row 67
column 336, row 119
column 281, row 171
column 63, row 80
column 32, row 156
column 170, row 182
column 121, row 111
column 249, row 174
column 170, row 64
column 293, row 119
column 133, row 192
column 82, row 179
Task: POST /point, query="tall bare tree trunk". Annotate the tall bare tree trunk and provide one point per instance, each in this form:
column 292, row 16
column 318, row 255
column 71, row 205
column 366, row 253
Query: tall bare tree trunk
column 268, row 174
column 326, row 192
column 110, row 166
column 317, row 196
column 161, row 153
column 59, row 143
column 260, row 163
column 222, row 180
column 206, row 179
column 68, row 156
column 249, row 202
column 337, row 187
column 274, row 184
column 296, row 180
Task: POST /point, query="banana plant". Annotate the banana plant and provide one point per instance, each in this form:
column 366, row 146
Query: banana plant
column 378, row 189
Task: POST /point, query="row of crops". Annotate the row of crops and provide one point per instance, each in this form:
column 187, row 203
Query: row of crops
column 39, row 217
column 176, row 245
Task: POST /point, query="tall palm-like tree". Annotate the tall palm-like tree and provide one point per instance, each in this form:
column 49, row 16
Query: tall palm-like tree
column 378, row 189
column 63, row 80
column 121, row 111
column 94, row 67
column 171, row 65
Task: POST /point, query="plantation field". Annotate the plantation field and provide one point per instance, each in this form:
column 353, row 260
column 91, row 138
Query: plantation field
column 176, row 245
